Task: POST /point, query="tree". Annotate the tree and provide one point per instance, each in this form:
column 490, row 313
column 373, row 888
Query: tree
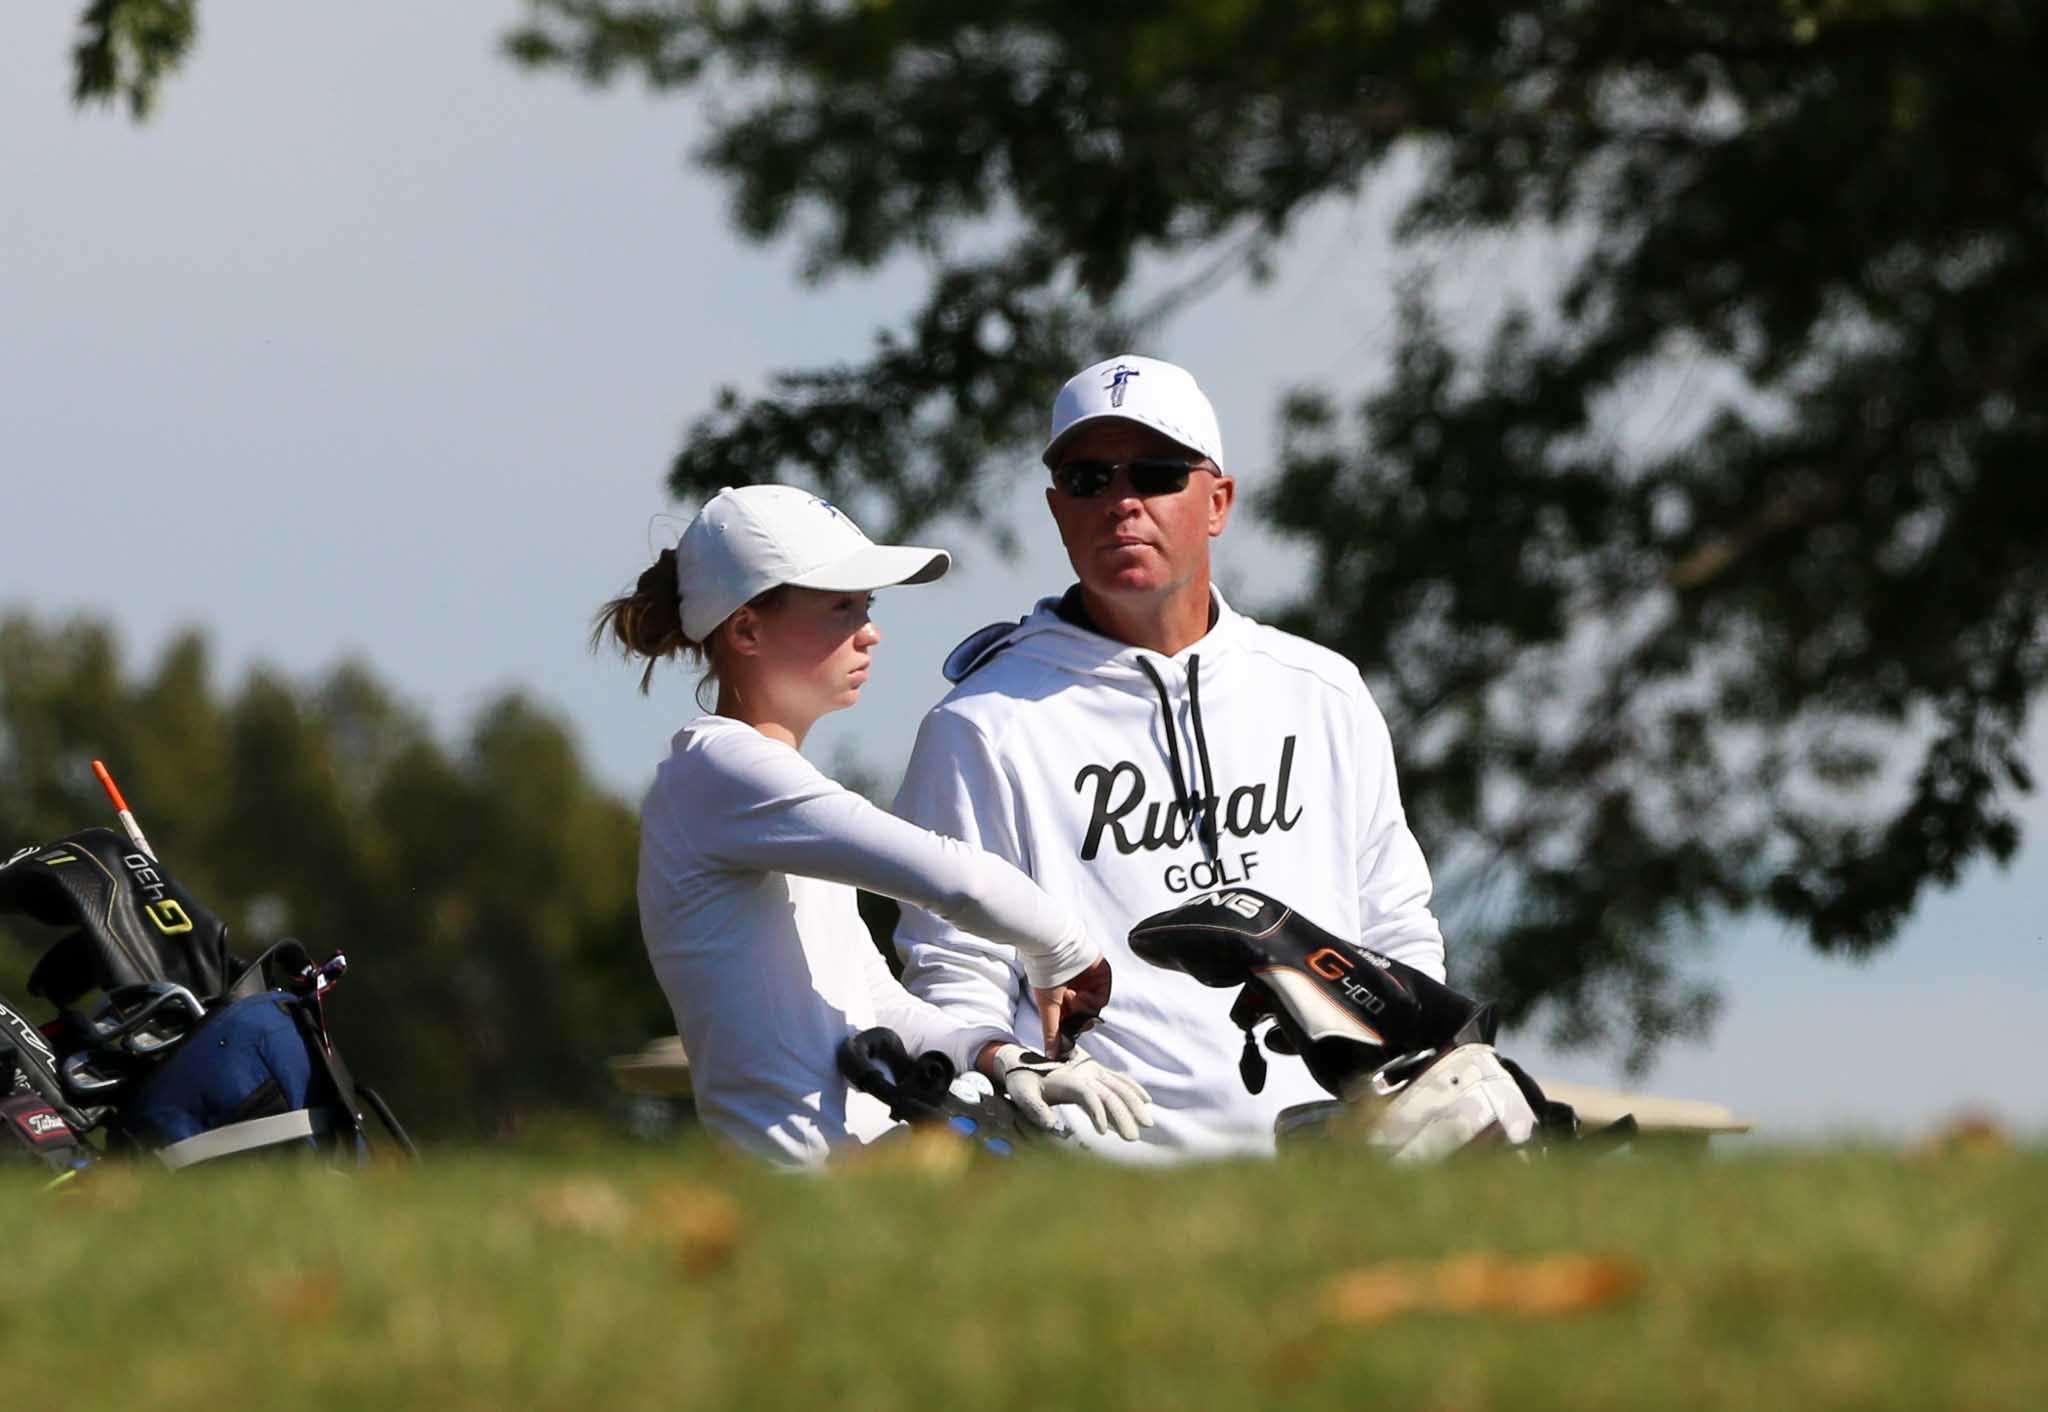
column 484, row 895
column 1783, row 663
column 125, row 47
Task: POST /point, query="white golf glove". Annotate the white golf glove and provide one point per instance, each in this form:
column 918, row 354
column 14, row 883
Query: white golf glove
column 1034, row 1083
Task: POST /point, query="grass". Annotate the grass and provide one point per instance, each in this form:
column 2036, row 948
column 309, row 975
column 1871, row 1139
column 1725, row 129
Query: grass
column 623, row 1276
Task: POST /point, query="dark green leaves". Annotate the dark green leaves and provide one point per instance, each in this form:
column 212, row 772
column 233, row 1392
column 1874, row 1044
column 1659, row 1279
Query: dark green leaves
column 125, row 47
column 1709, row 577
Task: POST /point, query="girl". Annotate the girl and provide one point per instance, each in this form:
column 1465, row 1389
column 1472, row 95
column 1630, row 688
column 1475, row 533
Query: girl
column 749, row 856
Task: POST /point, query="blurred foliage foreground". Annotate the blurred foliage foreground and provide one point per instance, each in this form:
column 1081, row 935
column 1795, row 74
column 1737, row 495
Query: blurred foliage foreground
column 484, row 895
column 625, row 1278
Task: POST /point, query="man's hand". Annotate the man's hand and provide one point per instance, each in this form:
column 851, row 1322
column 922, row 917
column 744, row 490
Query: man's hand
column 1067, row 1010
column 1034, row 1083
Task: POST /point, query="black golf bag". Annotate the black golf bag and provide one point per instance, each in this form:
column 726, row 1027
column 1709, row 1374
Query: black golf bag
column 36, row 1122
column 919, row 1091
column 163, row 1040
column 1367, row 1026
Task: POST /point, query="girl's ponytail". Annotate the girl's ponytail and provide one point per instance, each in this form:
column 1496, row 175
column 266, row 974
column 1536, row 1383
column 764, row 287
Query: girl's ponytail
column 648, row 622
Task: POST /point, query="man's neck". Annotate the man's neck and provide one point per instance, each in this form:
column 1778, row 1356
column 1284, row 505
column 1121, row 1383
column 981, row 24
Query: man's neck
column 1164, row 625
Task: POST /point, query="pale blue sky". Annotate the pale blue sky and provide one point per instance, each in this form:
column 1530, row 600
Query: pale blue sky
column 369, row 343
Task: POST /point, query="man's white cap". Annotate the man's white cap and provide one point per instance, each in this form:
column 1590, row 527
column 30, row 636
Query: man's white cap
column 749, row 539
column 1142, row 390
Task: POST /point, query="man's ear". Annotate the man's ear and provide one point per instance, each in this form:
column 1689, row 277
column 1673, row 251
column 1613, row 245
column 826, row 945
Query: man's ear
column 1222, row 495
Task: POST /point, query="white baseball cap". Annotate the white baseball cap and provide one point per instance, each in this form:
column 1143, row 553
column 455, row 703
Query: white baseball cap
column 751, row 538
column 1142, row 390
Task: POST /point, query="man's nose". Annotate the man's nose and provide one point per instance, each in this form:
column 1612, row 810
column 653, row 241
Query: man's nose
column 870, row 633
column 1120, row 495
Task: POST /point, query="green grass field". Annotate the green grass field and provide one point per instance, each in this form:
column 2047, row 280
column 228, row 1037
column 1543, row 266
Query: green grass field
column 630, row 1276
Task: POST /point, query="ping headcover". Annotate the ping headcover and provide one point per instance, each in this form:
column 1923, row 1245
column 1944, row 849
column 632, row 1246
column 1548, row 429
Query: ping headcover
column 1345, row 1010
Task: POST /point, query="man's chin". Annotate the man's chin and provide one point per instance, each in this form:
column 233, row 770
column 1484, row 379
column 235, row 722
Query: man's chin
column 1126, row 568
column 1134, row 582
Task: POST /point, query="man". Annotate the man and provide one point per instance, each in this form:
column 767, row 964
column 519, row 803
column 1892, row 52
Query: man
column 1137, row 743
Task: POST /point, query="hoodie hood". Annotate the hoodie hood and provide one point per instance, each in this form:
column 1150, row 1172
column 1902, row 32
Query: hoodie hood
column 1051, row 638
column 1048, row 638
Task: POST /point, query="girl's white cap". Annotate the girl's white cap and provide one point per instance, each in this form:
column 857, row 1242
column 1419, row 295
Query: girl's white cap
column 751, row 538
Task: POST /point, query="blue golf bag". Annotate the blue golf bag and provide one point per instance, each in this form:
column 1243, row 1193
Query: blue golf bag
column 165, row 1042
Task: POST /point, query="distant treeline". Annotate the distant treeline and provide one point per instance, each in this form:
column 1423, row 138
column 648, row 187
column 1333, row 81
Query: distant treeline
column 483, row 891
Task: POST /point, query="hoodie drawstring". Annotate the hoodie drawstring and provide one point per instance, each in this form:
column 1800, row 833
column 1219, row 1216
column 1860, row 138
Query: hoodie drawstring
column 1202, row 749
column 1184, row 795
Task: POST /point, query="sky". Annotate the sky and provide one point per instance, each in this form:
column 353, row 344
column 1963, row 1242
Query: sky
column 371, row 344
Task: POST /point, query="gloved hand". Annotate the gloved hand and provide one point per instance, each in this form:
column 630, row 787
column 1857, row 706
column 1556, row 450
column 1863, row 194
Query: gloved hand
column 1034, row 1083
column 1072, row 1007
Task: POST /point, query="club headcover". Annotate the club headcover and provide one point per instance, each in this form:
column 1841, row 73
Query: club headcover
column 1462, row 1099
column 134, row 922
column 1345, row 1010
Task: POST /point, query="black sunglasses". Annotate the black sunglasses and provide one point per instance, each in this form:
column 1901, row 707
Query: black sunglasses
column 1149, row 475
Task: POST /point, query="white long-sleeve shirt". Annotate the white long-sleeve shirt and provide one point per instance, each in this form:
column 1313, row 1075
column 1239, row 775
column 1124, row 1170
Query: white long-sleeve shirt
column 1067, row 753
column 749, row 857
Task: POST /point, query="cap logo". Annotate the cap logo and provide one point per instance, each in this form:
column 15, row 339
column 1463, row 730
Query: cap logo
column 836, row 511
column 1118, row 376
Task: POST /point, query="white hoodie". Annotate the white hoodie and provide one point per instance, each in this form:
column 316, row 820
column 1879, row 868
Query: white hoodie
column 1056, row 752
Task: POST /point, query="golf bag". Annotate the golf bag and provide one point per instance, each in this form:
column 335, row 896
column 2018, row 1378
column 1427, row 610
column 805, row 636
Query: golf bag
column 919, row 1091
column 36, row 1123
column 1410, row 1055
column 164, row 1041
